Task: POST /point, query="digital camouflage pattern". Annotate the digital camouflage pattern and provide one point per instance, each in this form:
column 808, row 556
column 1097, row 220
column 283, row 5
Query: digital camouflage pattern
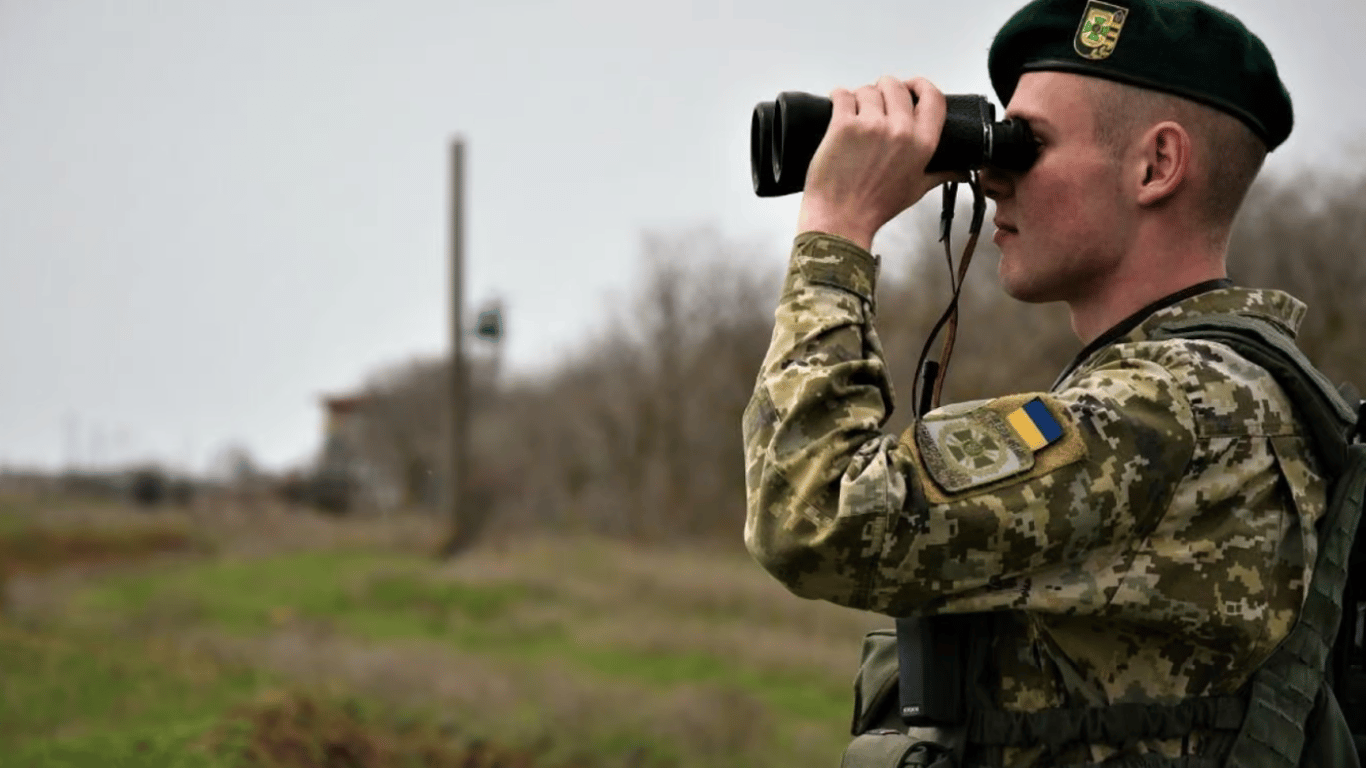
column 1159, row 550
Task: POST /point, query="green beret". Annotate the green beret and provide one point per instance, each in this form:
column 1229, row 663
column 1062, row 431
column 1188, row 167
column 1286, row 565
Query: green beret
column 1179, row 46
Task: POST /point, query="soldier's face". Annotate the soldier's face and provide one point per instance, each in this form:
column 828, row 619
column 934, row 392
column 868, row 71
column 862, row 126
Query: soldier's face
column 1060, row 225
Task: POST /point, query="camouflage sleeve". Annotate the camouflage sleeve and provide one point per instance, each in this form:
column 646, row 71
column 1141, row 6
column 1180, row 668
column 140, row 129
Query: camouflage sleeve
column 957, row 513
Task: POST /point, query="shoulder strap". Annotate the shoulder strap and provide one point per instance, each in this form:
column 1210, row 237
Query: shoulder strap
column 1283, row 690
column 1329, row 418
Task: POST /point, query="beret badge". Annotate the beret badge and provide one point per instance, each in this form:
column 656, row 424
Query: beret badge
column 1099, row 30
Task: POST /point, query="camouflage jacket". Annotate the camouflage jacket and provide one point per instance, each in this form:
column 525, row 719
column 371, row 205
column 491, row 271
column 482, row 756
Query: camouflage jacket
column 1143, row 530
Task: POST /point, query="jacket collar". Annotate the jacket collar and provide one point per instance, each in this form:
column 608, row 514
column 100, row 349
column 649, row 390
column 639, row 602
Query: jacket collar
column 1213, row 297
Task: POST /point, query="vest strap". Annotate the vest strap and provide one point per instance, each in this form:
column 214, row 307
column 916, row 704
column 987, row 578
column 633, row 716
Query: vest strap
column 1114, row 724
column 1131, row 761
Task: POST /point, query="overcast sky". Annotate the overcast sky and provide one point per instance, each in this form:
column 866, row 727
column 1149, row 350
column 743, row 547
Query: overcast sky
column 212, row 213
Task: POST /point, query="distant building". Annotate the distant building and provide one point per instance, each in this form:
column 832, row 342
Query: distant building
column 342, row 430
column 344, row 478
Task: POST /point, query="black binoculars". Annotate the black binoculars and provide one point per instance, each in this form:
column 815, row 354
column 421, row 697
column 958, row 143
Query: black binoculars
column 784, row 134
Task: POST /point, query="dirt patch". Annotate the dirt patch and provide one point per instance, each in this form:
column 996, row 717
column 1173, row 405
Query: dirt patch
column 38, row 550
column 32, row 556
column 297, row 729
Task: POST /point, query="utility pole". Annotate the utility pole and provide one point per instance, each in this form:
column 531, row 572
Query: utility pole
column 454, row 493
column 73, row 439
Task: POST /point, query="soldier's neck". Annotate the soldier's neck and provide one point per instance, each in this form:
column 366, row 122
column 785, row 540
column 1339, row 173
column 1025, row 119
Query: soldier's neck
column 1137, row 283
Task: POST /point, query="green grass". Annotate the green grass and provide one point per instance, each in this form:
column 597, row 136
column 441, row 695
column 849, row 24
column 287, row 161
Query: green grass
column 565, row 651
column 388, row 597
column 409, row 592
column 788, row 694
column 158, row 746
column 74, row 701
column 71, row 700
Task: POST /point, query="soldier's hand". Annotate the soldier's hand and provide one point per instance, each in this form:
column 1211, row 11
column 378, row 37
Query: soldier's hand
column 871, row 164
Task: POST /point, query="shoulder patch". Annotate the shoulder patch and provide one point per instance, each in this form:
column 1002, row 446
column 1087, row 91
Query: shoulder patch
column 1008, row 439
column 971, row 449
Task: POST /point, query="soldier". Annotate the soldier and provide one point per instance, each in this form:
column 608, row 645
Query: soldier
column 1143, row 532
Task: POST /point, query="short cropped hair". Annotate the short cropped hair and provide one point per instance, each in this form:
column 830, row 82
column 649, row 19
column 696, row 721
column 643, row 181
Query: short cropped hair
column 1232, row 153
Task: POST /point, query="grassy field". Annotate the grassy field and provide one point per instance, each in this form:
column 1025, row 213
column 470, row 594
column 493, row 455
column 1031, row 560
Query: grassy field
column 223, row 637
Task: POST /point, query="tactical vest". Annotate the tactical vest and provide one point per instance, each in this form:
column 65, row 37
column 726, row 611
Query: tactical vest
column 1287, row 714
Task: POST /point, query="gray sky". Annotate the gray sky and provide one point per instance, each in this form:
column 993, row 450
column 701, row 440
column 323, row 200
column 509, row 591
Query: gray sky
column 211, row 213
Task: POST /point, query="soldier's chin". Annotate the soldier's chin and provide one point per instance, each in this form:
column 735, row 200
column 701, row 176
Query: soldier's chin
column 1023, row 286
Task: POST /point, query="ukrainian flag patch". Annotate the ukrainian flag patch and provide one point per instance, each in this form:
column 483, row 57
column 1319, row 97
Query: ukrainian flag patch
column 973, row 447
column 1034, row 424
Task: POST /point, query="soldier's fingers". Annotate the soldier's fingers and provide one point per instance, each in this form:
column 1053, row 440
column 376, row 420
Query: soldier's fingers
column 930, row 110
column 844, row 103
column 870, row 101
column 897, row 98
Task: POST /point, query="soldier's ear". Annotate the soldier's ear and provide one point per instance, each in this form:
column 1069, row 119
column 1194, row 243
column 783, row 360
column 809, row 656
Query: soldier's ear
column 1163, row 164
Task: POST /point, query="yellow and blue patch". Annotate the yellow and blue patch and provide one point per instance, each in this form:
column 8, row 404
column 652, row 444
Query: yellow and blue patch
column 1034, row 424
column 966, row 448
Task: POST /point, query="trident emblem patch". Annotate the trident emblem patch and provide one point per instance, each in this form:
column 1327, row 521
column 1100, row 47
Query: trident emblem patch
column 1099, row 30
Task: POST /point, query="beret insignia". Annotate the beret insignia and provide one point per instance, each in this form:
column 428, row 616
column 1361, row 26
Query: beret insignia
column 1099, row 30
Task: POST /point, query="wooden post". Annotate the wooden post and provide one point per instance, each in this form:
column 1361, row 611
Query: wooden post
column 459, row 432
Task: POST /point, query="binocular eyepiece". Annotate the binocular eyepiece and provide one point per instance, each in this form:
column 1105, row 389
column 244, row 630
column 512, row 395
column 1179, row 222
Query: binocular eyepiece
column 784, row 134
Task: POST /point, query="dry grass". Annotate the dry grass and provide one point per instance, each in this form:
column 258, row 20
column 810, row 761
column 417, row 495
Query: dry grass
column 236, row 526
column 678, row 583
column 478, row 693
column 261, row 528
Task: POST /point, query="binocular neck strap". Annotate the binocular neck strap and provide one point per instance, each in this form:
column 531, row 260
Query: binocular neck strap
column 932, row 374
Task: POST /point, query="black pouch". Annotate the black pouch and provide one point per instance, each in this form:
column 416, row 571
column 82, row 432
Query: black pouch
column 931, row 652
